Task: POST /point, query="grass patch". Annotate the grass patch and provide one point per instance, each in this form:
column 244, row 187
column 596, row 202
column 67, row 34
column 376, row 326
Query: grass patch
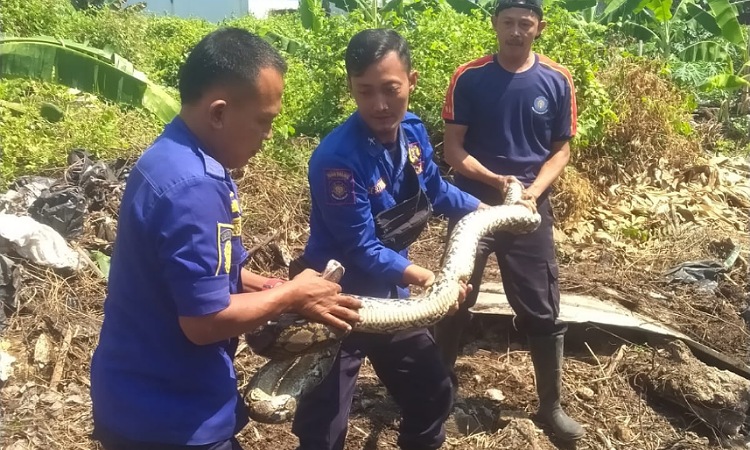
column 32, row 143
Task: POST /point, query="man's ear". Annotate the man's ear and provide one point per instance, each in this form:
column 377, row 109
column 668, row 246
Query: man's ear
column 216, row 113
column 349, row 84
column 413, row 77
column 542, row 25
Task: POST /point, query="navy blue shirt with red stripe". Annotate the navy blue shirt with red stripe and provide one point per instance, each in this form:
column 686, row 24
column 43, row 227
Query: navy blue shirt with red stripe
column 512, row 118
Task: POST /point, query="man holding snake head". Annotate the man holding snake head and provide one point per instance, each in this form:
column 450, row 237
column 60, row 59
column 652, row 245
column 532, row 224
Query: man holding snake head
column 162, row 375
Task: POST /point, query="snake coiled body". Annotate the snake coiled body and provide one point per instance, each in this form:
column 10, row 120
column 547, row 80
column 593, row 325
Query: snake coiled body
column 301, row 352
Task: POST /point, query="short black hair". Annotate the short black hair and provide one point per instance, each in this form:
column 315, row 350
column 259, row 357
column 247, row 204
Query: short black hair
column 370, row 46
column 226, row 56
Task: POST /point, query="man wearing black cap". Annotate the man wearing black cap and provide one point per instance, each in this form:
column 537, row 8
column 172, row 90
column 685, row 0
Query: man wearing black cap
column 509, row 116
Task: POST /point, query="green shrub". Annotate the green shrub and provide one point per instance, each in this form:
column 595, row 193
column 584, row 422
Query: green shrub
column 31, row 143
column 580, row 47
column 168, row 40
column 120, row 31
column 441, row 40
column 35, row 17
column 653, row 121
column 316, row 97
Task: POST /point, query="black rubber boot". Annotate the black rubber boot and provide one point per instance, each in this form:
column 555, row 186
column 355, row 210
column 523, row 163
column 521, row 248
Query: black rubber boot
column 547, row 355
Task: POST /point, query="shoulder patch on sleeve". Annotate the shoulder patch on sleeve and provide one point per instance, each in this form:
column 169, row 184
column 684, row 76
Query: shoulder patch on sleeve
column 224, row 233
column 339, row 186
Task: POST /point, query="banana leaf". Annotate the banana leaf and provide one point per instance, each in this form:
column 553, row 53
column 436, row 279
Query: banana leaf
column 368, row 7
column 85, row 68
column 282, row 42
column 578, row 5
column 347, row 5
column 628, row 6
column 703, row 51
column 309, row 11
column 706, row 20
column 467, row 7
column 725, row 82
column 726, row 17
column 662, row 10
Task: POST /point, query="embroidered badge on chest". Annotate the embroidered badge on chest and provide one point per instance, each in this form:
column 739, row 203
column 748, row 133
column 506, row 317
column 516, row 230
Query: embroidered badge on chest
column 378, row 187
column 541, row 105
column 415, row 157
column 339, row 186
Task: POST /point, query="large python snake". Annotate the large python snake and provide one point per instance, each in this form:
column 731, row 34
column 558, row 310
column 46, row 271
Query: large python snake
column 301, row 352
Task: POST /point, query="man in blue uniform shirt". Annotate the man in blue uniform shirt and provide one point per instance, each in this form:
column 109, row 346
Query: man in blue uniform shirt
column 373, row 185
column 162, row 375
column 511, row 115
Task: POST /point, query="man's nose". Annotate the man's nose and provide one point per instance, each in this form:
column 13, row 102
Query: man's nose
column 381, row 104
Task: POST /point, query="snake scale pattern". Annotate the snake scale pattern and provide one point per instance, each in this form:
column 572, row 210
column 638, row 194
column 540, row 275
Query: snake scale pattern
column 301, row 352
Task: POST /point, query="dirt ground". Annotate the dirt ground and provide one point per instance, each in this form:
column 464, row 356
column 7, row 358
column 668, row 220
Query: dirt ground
column 45, row 404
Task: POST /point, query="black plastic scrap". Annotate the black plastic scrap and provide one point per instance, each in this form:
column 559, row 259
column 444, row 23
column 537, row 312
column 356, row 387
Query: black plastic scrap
column 62, row 207
column 703, row 273
column 10, row 281
column 22, row 193
column 63, row 203
column 95, row 178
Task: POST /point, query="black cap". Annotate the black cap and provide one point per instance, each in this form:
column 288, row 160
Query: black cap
column 533, row 5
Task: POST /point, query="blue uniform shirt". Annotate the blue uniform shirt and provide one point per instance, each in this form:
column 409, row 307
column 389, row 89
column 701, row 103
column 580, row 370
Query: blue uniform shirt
column 178, row 253
column 512, row 118
column 353, row 178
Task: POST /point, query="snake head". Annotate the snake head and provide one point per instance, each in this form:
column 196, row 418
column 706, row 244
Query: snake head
column 264, row 408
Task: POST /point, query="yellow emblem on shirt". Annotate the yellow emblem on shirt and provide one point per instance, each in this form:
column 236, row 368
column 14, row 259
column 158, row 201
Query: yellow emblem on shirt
column 415, row 157
column 378, row 187
column 224, row 233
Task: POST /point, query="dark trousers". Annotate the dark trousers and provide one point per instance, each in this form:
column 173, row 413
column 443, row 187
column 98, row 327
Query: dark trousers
column 111, row 443
column 410, row 367
column 529, row 271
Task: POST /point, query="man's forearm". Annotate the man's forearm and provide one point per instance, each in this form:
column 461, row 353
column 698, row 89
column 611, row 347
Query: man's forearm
column 465, row 164
column 244, row 313
column 252, row 282
column 551, row 170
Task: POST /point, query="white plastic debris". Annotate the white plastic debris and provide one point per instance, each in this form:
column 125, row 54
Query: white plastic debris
column 37, row 242
column 495, row 394
column 42, row 351
column 6, row 365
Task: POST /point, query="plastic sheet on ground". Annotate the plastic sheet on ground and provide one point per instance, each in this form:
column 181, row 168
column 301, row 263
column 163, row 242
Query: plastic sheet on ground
column 22, row 194
column 703, row 273
column 36, row 242
column 97, row 179
column 6, row 366
column 62, row 207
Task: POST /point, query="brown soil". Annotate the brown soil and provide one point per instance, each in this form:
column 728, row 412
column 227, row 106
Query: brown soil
column 45, row 404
